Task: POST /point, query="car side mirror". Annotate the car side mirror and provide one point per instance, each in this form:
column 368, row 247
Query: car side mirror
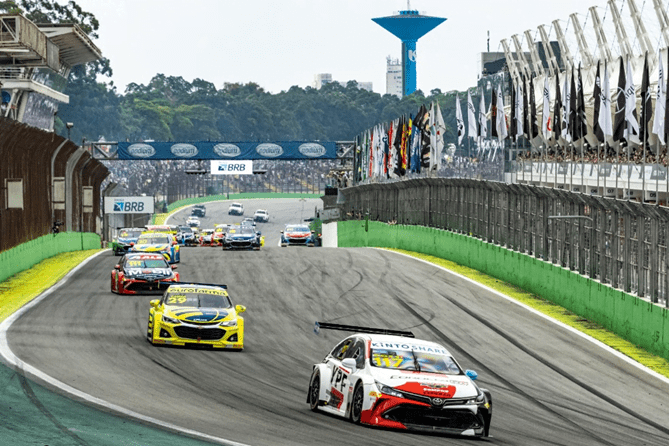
column 240, row 309
column 471, row 374
column 259, row 233
column 173, row 266
column 132, row 243
column 117, row 266
column 155, row 302
column 349, row 363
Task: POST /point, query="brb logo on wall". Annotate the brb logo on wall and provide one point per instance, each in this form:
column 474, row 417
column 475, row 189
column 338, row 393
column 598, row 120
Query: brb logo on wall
column 220, row 167
column 129, row 205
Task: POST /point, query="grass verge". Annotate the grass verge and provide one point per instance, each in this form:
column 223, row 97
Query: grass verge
column 596, row 331
column 23, row 287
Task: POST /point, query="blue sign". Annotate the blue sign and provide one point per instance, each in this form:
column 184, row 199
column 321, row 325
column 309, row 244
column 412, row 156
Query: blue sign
column 291, row 150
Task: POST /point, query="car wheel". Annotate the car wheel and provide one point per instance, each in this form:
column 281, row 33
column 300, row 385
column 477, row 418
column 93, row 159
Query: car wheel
column 356, row 404
column 314, row 391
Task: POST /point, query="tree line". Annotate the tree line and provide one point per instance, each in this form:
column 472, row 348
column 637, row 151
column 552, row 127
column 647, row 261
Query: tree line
column 169, row 108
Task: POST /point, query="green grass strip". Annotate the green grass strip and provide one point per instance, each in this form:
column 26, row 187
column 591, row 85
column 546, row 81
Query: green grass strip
column 23, row 287
column 596, row 331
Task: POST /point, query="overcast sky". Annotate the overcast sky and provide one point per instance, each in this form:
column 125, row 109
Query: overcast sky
column 278, row 44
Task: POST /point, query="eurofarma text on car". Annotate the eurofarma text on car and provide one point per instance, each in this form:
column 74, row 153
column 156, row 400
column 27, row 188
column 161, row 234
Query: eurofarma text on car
column 399, row 382
column 196, row 313
column 142, row 273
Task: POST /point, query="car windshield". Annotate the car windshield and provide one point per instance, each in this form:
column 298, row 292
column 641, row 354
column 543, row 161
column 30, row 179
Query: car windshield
column 422, row 361
column 185, row 229
column 153, row 240
column 297, row 229
column 129, row 234
column 199, row 298
column 146, row 263
column 246, row 230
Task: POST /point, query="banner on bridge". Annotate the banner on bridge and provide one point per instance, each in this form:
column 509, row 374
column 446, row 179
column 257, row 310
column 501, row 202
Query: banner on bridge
column 241, row 167
column 129, row 205
column 211, row 150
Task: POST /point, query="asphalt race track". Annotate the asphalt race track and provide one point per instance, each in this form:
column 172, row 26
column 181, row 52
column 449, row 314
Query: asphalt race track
column 549, row 385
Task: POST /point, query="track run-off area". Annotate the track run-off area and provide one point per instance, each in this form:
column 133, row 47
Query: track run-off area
column 550, row 385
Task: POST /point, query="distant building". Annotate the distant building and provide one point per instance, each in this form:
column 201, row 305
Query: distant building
column 393, row 77
column 325, row 78
column 321, row 79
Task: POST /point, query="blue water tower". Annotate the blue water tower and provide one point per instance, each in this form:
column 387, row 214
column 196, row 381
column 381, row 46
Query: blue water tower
column 409, row 26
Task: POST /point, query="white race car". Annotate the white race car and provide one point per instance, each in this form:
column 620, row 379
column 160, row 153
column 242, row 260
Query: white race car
column 395, row 381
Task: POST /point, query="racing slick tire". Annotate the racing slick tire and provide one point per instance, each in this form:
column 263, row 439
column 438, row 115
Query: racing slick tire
column 314, row 391
column 356, row 404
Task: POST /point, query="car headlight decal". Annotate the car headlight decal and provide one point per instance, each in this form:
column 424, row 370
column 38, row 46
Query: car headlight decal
column 232, row 323
column 170, row 320
column 387, row 390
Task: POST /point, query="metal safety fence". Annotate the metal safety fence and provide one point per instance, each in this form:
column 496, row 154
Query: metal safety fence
column 617, row 242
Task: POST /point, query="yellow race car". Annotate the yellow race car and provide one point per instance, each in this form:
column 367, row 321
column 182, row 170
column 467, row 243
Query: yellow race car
column 162, row 242
column 198, row 314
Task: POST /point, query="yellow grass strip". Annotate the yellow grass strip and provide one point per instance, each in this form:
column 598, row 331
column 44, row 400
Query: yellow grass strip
column 23, row 287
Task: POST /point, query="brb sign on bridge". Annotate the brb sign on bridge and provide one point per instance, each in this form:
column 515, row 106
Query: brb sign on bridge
column 129, row 205
column 219, row 167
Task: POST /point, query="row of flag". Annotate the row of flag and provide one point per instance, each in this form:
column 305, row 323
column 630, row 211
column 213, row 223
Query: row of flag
column 569, row 123
column 405, row 145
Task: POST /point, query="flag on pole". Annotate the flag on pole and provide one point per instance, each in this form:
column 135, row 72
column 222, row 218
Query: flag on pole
column 632, row 124
column 557, row 108
column 471, row 116
column 573, row 94
column 483, row 122
column 581, row 119
column 526, row 110
column 415, row 149
column 619, row 121
column 660, row 100
column 546, row 111
column 534, row 130
column 520, row 109
column 437, row 144
column 459, row 120
column 512, row 129
column 493, row 113
column 502, row 131
column 566, row 94
column 646, row 107
column 597, row 100
column 605, row 106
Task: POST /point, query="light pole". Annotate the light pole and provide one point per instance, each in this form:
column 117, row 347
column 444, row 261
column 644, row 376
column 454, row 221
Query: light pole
column 69, row 126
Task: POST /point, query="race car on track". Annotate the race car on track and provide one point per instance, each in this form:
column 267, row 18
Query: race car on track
column 142, row 273
column 219, row 234
column 127, row 237
column 193, row 222
column 206, row 236
column 186, row 236
column 261, row 216
column 161, row 242
column 236, row 209
column 199, row 210
column 196, row 313
column 297, row 235
column 395, row 381
column 242, row 237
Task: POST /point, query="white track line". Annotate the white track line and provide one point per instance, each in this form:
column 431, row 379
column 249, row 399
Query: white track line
column 548, row 318
column 18, row 364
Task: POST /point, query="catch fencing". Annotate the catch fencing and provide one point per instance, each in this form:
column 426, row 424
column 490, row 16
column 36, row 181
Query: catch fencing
column 45, row 179
column 617, row 242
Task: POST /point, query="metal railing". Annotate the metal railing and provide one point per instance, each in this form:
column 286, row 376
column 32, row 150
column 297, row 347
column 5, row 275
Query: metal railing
column 617, row 242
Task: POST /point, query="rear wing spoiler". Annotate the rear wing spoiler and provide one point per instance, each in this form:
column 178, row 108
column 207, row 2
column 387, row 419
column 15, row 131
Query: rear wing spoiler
column 220, row 285
column 318, row 326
